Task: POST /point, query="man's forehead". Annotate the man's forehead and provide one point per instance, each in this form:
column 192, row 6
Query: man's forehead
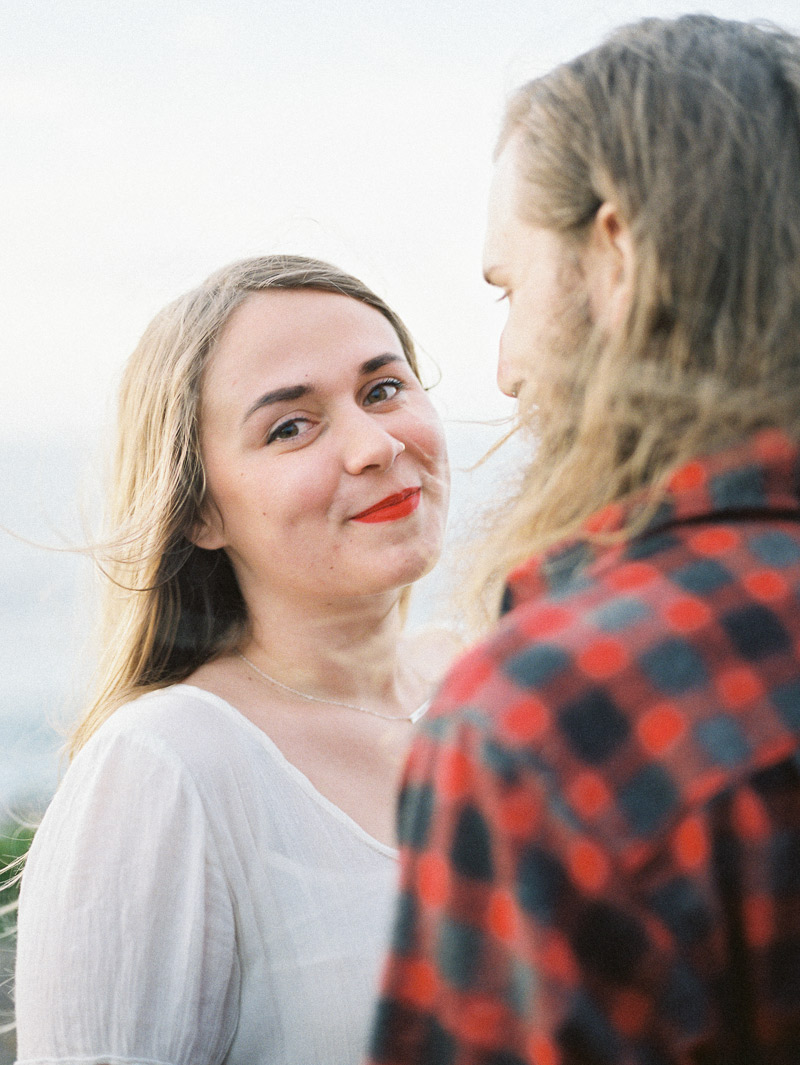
column 506, row 221
column 505, row 187
column 501, row 211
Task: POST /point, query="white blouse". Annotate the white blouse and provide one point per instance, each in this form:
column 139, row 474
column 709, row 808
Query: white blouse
column 190, row 898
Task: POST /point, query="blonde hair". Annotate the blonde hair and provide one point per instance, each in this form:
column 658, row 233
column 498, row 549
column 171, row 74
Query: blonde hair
column 691, row 127
column 168, row 605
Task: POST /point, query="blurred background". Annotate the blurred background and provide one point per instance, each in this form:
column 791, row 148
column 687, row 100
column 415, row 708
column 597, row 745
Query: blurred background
column 146, row 144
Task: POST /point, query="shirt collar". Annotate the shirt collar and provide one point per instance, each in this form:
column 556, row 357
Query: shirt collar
column 760, row 474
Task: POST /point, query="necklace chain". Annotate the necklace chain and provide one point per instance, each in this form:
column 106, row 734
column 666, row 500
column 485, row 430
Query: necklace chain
column 415, row 715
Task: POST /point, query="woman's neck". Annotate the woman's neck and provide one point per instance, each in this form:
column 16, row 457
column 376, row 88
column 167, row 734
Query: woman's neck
column 347, row 651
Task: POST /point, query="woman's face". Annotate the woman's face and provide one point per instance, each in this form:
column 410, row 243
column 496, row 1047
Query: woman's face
column 325, row 460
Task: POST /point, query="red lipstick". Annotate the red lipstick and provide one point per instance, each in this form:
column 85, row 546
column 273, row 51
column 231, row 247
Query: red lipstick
column 400, row 505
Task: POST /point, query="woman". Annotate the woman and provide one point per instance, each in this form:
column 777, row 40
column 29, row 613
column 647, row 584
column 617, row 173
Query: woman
column 213, row 879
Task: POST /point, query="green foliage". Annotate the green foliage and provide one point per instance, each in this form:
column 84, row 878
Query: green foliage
column 14, row 843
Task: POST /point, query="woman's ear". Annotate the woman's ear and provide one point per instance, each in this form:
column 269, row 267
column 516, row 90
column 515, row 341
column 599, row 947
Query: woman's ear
column 609, row 262
column 207, row 532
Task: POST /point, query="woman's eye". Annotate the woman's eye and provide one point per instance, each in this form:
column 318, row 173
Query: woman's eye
column 287, row 430
column 383, row 390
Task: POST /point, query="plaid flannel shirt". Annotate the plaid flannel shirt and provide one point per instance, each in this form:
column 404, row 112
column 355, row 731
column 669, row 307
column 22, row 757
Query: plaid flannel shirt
column 600, row 819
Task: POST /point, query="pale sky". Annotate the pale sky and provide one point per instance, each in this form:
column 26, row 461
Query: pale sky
column 145, row 144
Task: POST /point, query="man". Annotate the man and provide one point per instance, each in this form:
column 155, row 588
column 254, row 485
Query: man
column 600, row 823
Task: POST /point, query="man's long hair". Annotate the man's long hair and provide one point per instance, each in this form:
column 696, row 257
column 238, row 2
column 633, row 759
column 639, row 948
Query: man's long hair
column 691, row 127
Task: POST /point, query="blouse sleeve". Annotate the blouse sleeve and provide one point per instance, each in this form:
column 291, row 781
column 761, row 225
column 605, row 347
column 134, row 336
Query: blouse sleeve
column 126, row 944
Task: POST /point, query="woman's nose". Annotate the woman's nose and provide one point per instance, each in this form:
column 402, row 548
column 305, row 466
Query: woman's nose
column 366, row 443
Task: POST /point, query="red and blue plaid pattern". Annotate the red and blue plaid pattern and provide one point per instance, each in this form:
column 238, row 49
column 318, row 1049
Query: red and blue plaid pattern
column 600, row 821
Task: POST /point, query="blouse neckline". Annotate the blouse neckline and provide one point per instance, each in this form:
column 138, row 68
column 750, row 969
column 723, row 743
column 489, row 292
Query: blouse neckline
column 291, row 770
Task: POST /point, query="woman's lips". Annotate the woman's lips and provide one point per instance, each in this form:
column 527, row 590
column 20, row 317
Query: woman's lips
column 400, row 505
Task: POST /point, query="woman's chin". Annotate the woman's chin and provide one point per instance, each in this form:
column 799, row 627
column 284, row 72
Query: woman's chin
column 416, row 567
column 395, row 575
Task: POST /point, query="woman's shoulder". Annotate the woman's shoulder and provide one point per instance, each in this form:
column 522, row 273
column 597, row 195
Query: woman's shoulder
column 159, row 707
column 180, row 725
column 131, row 774
column 173, row 748
column 170, row 713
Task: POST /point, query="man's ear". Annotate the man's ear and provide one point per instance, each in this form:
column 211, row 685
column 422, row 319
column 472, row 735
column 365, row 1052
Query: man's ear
column 207, row 531
column 609, row 266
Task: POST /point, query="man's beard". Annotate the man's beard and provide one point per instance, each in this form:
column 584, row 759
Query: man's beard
column 552, row 398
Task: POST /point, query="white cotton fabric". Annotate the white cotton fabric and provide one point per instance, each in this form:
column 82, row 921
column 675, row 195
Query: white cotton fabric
column 191, row 899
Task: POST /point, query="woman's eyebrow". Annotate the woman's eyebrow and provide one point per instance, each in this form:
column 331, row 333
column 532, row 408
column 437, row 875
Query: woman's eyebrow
column 278, row 395
column 371, row 365
column 292, row 392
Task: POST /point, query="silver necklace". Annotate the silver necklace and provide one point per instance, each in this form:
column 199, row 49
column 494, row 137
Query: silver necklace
column 415, row 715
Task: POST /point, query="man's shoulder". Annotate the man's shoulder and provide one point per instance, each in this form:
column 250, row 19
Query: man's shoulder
column 667, row 673
column 672, row 581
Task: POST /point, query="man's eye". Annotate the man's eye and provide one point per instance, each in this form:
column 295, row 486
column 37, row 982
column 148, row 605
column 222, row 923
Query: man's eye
column 383, row 390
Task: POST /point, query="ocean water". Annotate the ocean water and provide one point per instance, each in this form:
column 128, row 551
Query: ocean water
column 44, row 613
column 50, row 492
